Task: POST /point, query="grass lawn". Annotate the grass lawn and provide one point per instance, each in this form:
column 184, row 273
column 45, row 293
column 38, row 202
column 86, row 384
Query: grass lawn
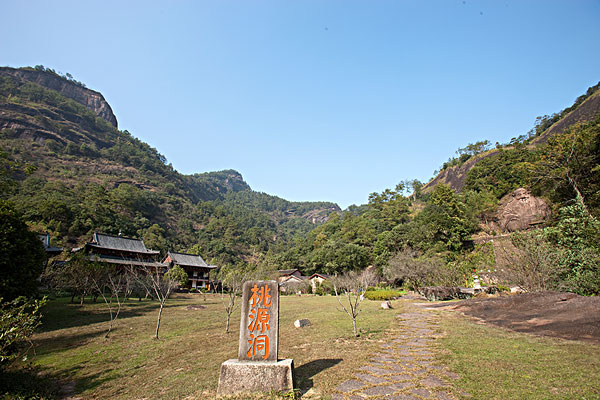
column 495, row 363
column 185, row 362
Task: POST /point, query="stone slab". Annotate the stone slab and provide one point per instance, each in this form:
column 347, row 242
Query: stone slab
column 259, row 325
column 256, row 376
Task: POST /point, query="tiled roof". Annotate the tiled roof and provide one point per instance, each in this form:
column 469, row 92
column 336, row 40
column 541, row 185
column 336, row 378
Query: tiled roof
column 122, row 261
column 45, row 238
column 191, row 260
column 292, row 278
column 120, row 243
column 324, row 276
column 283, row 272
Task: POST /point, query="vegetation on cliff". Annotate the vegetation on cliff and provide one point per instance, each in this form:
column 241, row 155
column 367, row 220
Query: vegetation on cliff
column 70, row 172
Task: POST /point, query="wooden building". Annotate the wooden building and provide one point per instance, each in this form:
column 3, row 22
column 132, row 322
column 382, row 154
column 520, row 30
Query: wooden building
column 317, row 280
column 50, row 250
column 285, row 274
column 120, row 250
column 196, row 268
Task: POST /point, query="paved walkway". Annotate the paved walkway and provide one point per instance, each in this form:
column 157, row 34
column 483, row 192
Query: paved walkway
column 404, row 368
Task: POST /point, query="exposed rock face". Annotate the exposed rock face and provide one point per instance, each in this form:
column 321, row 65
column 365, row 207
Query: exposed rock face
column 87, row 97
column 321, row 215
column 587, row 111
column 456, row 176
column 519, row 211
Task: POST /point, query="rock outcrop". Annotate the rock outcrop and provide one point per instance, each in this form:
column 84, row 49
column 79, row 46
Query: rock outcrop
column 456, row 176
column 587, row 111
column 520, row 210
column 86, row 97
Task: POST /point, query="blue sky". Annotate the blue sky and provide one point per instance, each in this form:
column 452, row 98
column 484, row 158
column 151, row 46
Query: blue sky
column 316, row 100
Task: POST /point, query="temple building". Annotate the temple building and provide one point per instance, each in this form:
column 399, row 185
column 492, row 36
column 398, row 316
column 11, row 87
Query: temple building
column 120, row 250
column 196, row 268
column 50, row 250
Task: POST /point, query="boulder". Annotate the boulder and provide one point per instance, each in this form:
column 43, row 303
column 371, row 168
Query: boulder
column 195, row 307
column 519, row 211
column 386, row 305
column 436, row 293
column 301, row 323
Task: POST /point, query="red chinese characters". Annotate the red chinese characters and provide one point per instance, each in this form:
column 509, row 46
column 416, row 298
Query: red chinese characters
column 260, row 301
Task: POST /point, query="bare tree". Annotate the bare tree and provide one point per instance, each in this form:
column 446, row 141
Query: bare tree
column 107, row 280
column 74, row 276
column 83, row 277
column 232, row 278
column 161, row 283
column 531, row 262
column 411, row 268
column 352, row 285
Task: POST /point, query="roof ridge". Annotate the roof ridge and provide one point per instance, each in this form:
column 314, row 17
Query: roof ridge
column 118, row 236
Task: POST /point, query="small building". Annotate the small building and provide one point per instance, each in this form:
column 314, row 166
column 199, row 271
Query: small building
column 284, row 274
column 50, row 250
column 196, row 268
column 120, row 250
column 317, row 280
column 291, row 282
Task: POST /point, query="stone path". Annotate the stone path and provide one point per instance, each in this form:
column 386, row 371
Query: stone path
column 404, row 368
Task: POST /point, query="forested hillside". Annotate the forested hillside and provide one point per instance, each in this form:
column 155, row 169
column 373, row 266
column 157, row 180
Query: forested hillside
column 429, row 237
column 70, row 171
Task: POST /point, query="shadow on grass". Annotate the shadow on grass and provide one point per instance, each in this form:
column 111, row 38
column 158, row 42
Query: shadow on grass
column 64, row 341
column 62, row 314
column 305, row 372
column 28, row 382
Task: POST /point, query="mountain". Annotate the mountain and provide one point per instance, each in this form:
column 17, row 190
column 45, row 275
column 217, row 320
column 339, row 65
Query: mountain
column 71, row 171
column 585, row 108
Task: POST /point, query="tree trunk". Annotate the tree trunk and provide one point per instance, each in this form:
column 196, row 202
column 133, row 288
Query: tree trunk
column 227, row 326
column 109, row 326
column 158, row 321
column 354, row 326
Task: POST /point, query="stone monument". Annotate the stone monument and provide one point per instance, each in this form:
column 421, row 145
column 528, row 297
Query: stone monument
column 257, row 368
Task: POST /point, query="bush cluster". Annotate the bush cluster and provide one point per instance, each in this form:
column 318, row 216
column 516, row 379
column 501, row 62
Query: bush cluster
column 382, row 294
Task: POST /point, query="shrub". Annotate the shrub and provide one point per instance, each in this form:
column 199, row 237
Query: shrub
column 503, row 288
column 414, row 270
column 323, row 288
column 382, row 294
column 18, row 320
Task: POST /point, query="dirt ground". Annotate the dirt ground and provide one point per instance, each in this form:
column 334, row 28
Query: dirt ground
column 562, row 315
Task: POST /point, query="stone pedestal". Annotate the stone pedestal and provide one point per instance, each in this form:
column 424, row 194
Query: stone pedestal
column 241, row 376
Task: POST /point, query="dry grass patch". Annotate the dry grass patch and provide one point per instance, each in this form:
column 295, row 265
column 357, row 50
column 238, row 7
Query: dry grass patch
column 495, row 363
column 185, row 362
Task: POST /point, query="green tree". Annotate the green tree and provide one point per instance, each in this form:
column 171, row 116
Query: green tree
column 22, row 255
column 18, row 320
column 569, row 165
column 154, row 238
column 444, row 219
column 578, row 235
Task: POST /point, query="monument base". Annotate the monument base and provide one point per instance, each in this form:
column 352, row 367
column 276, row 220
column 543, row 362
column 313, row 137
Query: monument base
column 254, row 376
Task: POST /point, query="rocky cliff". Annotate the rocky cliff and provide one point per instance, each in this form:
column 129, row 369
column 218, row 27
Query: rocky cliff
column 582, row 111
column 456, row 176
column 586, row 111
column 91, row 99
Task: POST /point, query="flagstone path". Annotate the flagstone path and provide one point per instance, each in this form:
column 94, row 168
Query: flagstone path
column 405, row 367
